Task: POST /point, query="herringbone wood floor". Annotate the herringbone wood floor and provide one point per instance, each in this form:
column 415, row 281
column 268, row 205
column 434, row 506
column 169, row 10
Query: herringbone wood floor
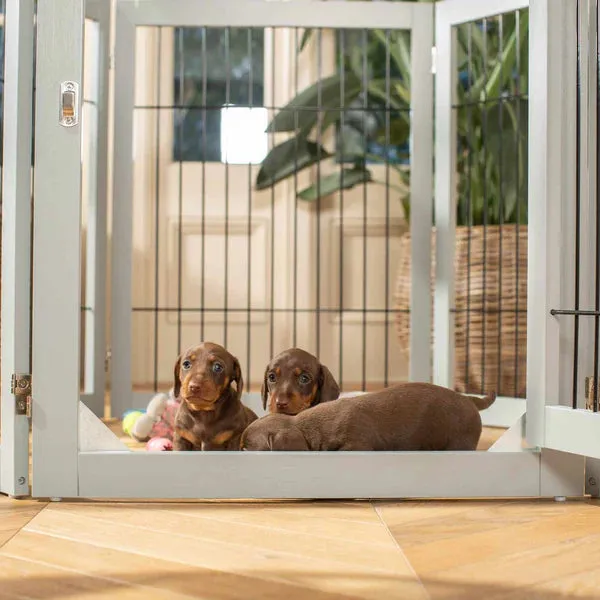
column 300, row 550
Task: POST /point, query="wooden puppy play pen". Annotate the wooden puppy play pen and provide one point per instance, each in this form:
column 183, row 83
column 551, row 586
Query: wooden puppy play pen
column 250, row 170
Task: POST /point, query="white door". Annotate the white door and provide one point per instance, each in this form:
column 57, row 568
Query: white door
column 18, row 33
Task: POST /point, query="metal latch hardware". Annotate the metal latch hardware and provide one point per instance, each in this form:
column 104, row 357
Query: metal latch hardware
column 69, row 104
column 20, row 387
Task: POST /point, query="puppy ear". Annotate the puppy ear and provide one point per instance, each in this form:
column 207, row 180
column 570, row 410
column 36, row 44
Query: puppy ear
column 237, row 377
column 328, row 386
column 265, row 389
column 176, row 379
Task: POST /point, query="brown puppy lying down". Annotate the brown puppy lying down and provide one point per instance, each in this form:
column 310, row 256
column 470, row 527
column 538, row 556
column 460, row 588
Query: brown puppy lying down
column 294, row 381
column 408, row 416
column 211, row 416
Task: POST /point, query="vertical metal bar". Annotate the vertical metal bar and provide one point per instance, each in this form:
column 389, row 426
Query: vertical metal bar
column 157, row 182
column 57, row 254
column 319, row 138
column 226, row 269
column 249, row 227
column 518, row 94
column 365, row 92
column 342, row 68
column 501, row 207
column 295, row 282
column 484, row 135
column 272, row 291
column 204, row 152
column 386, row 333
column 445, row 190
column 596, row 58
column 577, row 215
column 470, row 144
column 180, row 102
column 122, row 215
column 16, row 240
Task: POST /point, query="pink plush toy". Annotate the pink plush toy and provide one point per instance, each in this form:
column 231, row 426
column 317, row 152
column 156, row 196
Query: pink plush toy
column 158, row 444
column 158, row 421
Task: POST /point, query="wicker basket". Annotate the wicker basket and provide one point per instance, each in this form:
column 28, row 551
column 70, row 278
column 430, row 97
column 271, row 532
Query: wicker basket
column 491, row 305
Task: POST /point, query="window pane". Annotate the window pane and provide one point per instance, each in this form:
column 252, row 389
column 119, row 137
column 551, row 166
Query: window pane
column 214, row 67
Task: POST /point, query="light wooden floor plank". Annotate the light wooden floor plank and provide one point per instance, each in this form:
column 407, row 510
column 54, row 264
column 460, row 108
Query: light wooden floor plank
column 315, row 562
column 514, row 549
column 15, row 514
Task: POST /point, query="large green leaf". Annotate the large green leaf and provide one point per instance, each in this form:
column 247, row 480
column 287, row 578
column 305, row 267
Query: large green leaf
column 343, row 179
column 399, row 132
column 503, row 70
column 305, row 39
column 302, row 113
column 399, row 52
column 288, row 158
column 398, row 97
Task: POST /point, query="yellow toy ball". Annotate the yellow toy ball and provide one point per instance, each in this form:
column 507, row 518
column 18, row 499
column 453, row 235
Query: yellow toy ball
column 130, row 419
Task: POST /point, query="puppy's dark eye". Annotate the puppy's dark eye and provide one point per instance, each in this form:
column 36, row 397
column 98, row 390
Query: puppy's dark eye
column 217, row 367
column 186, row 365
column 304, row 379
column 271, row 377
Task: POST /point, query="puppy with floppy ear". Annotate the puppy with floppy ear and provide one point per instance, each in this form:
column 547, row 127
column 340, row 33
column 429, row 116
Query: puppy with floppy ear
column 209, row 382
column 294, row 381
column 328, row 386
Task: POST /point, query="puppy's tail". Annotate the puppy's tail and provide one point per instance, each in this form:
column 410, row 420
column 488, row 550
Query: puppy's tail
column 485, row 402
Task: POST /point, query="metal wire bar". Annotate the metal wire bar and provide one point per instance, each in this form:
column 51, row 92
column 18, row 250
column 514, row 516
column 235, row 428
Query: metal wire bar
column 273, row 107
column 180, row 50
column 157, row 206
column 504, row 99
column 204, row 152
column 272, row 315
column 319, row 156
column 577, row 215
column 388, row 94
column 597, row 273
column 341, row 209
column 470, row 136
column 489, row 311
column 243, row 309
column 249, row 226
column 484, row 134
column 500, row 210
column 518, row 200
column 226, row 254
column 365, row 91
column 295, row 282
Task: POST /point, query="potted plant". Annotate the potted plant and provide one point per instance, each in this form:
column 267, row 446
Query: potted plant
column 491, row 212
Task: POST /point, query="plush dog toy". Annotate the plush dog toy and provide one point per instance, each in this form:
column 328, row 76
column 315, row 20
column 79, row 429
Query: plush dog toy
column 155, row 422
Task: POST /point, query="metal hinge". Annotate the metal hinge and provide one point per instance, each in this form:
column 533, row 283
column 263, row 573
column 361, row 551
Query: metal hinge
column 589, row 393
column 433, row 60
column 20, row 387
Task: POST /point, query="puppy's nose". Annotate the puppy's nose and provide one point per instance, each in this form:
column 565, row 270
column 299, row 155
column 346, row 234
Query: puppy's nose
column 194, row 387
column 281, row 402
